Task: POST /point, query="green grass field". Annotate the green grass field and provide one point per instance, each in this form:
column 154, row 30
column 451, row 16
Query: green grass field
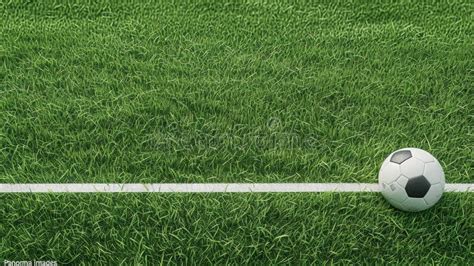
column 234, row 229
column 247, row 91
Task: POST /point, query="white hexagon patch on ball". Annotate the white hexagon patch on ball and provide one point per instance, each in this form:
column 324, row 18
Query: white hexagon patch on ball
column 411, row 179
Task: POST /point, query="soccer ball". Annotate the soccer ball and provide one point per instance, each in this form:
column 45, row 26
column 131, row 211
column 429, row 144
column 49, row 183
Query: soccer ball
column 411, row 179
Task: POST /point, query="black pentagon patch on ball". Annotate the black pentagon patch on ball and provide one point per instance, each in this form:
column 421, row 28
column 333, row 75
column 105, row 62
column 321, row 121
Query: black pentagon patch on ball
column 400, row 156
column 417, row 187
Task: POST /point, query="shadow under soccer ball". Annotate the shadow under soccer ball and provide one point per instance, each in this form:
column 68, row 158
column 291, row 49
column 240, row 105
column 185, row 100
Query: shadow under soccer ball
column 411, row 179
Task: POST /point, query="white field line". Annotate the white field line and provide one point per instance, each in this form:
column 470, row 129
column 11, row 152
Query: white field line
column 205, row 187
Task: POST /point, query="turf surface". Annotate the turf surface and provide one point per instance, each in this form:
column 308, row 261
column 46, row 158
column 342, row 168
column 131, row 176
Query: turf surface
column 234, row 229
column 143, row 91
column 214, row 92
